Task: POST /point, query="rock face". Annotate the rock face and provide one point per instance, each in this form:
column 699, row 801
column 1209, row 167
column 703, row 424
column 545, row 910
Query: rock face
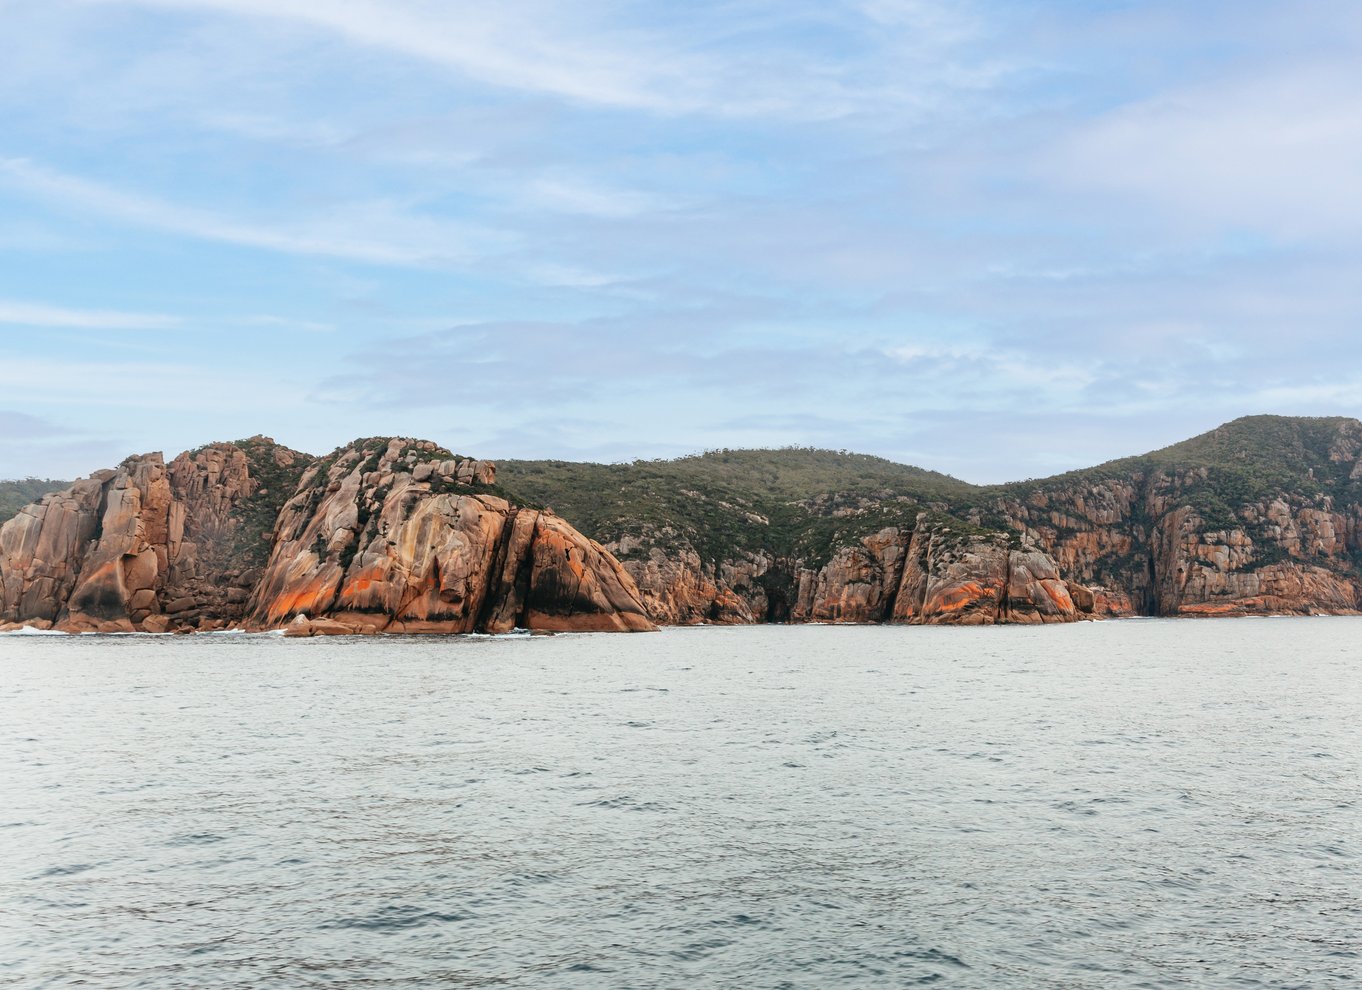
column 932, row 573
column 148, row 546
column 980, row 581
column 677, row 589
column 399, row 536
column 385, row 535
column 1148, row 552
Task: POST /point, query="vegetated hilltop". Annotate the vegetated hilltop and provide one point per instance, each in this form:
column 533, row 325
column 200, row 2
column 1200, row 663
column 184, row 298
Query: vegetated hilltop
column 1263, row 514
column 1243, row 459
column 731, row 501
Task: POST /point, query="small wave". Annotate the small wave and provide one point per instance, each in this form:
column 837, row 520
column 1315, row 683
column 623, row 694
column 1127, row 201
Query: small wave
column 395, row 917
column 532, row 879
column 1076, row 808
column 624, row 803
column 933, row 955
column 699, row 950
column 196, row 839
column 738, row 921
column 583, row 967
column 65, row 871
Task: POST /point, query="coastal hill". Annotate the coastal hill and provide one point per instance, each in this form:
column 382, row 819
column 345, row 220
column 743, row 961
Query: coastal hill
column 1260, row 516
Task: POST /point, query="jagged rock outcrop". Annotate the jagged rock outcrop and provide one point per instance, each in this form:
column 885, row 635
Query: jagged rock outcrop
column 148, row 546
column 382, row 536
column 400, row 536
column 981, row 580
column 1297, row 563
column 859, row 584
column 950, row 577
column 43, row 548
column 678, row 589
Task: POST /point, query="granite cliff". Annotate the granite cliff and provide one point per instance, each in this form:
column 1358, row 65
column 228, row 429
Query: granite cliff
column 384, row 535
column 1260, row 516
column 148, row 545
column 930, row 572
column 401, row 536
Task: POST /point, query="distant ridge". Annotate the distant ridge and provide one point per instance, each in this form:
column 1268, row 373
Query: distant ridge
column 1276, row 447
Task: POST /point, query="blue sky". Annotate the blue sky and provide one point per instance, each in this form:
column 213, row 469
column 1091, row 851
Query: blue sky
column 996, row 239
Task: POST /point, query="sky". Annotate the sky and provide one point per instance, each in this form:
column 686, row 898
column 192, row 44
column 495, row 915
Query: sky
column 996, row 239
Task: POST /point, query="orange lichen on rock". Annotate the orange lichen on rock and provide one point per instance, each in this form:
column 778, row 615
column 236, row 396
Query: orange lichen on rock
column 1242, row 607
column 301, row 599
column 1058, row 593
column 959, row 597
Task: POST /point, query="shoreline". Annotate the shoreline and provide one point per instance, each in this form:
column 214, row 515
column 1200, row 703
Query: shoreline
column 282, row 632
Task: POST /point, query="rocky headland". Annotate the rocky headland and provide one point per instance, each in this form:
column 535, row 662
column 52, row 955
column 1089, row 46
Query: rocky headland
column 1261, row 516
column 385, row 535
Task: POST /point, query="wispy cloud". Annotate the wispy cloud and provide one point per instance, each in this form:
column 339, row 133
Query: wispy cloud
column 515, row 45
column 594, row 53
column 23, row 426
column 36, row 445
column 29, row 314
column 273, row 322
column 572, row 195
column 375, row 232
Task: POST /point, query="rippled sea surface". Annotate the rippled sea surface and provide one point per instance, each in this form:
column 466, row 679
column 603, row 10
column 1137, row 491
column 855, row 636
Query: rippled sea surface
column 1123, row 804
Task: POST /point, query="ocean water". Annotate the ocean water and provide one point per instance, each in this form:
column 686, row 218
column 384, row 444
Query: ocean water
column 1123, row 804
